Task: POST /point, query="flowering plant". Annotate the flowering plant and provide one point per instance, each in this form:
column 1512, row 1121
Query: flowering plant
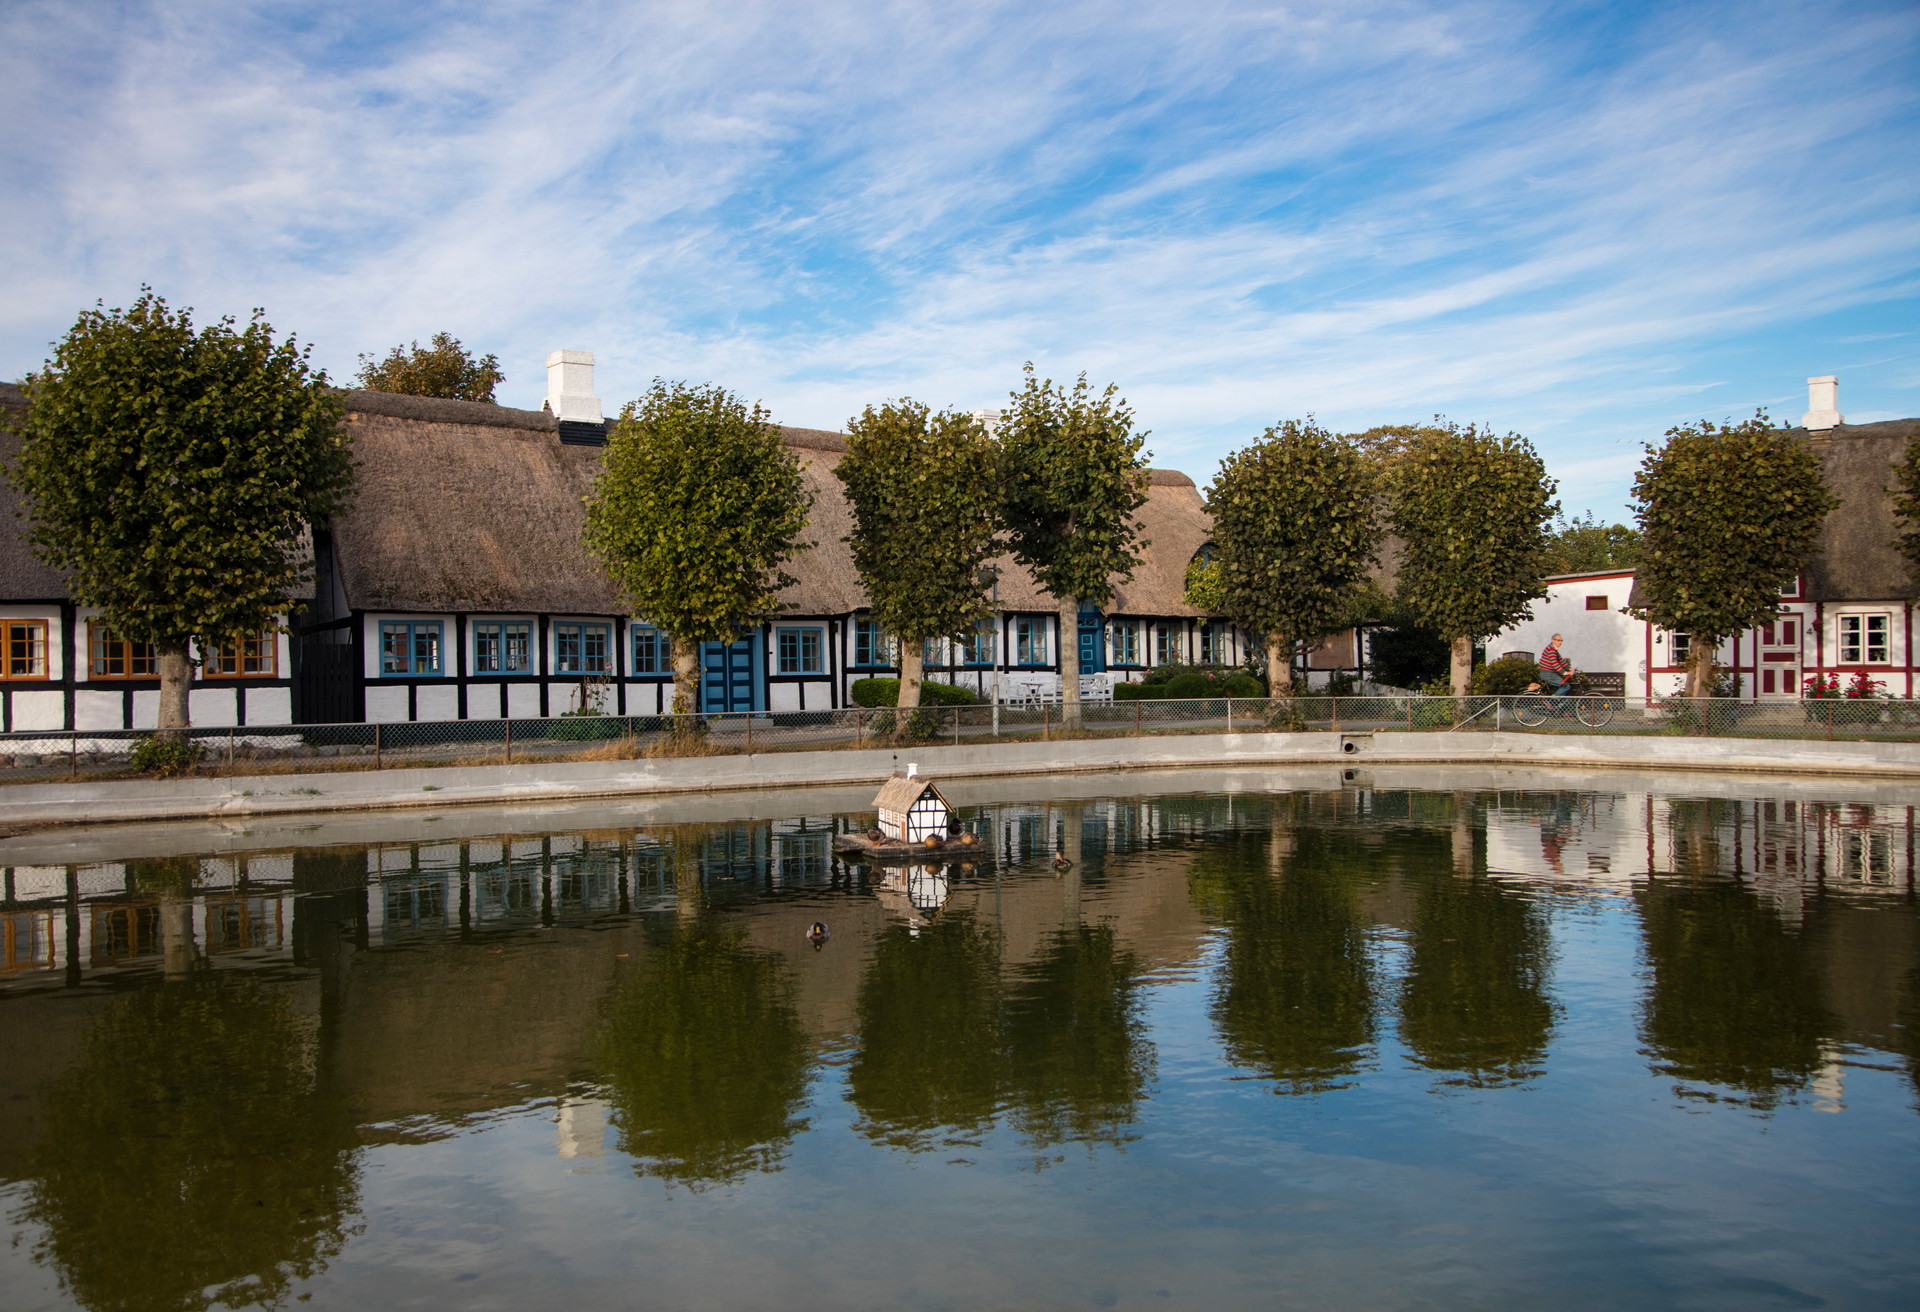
column 1822, row 685
column 1859, row 688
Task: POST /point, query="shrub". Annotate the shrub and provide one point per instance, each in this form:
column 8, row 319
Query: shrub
column 1138, row 692
column 584, row 725
column 166, row 755
column 877, row 693
column 1341, row 684
column 1189, row 685
column 1243, row 685
column 1506, row 677
column 921, row 723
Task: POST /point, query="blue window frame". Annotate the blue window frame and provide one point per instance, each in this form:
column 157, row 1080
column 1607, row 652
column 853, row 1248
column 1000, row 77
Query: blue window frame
column 410, row 648
column 800, row 651
column 872, row 648
column 503, row 647
column 1213, row 645
column 1030, row 641
column 652, row 650
column 1126, row 641
column 582, row 648
column 977, row 647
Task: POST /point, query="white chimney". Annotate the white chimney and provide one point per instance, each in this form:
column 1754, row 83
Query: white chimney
column 1823, row 404
column 570, row 387
column 989, row 418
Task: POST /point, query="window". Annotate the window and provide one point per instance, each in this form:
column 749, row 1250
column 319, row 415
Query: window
column 248, row 656
column 1791, row 588
column 111, row 657
column 1863, row 639
column 800, row 651
column 503, row 647
column 1212, row 644
column 1677, row 654
column 935, row 652
column 1596, row 603
column 1030, row 641
column 652, row 650
column 582, row 648
column 1166, row 645
column 24, row 653
column 871, row 647
column 409, row 647
column 977, row 647
column 1126, row 641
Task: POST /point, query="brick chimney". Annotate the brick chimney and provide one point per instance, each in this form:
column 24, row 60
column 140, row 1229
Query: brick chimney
column 570, row 387
column 1823, row 404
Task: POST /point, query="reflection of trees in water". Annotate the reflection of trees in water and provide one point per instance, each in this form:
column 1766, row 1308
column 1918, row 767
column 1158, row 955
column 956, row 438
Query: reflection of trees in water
column 1293, row 997
column 1734, row 1000
column 1475, row 995
column 188, row 1160
column 1077, row 1066
column 705, row 1059
column 947, row 1042
column 930, row 1057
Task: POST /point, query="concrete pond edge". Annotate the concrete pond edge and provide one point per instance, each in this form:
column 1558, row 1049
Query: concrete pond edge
column 27, row 807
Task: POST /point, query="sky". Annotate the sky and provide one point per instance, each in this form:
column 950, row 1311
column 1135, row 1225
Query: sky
column 1585, row 223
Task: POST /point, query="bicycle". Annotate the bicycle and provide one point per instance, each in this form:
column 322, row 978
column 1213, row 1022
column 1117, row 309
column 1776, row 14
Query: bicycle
column 1534, row 711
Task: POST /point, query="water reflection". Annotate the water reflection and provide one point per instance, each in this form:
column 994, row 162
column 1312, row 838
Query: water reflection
column 200, row 1048
column 193, row 1156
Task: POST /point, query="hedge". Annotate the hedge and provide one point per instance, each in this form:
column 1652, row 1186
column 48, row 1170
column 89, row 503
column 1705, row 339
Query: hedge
column 886, row 693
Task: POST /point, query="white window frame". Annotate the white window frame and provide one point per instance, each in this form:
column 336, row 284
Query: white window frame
column 1125, row 640
column 1861, row 637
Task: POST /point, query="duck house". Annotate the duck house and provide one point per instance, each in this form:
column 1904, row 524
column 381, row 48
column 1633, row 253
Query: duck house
column 912, row 808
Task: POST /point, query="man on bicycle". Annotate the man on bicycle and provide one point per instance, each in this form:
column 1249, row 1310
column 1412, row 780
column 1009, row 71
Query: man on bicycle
column 1556, row 671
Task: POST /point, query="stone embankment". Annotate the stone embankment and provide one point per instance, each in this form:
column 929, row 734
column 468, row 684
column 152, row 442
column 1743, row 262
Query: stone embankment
column 31, row 806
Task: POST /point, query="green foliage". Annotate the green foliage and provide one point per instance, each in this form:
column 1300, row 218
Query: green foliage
column 922, row 488
column 1472, row 510
column 1728, row 512
column 165, row 755
column 1243, row 685
column 696, row 507
column 172, row 471
column 1475, row 999
column 918, row 724
column 1182, row 687
column 189, row 1159
column 886, row 692
column 1073, row 477
column 1506, row 677
column 1210, row 680
column 1906, row 507
column 705, row 1059
column 1206, row 588
column 1407, row 657
column 444, row 369
column 1296, row 526
column 1583, row 545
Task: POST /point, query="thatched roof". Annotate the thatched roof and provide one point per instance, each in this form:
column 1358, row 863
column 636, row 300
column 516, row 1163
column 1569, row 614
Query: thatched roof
column 470, row 507
column 23, row 576
column 901, row 791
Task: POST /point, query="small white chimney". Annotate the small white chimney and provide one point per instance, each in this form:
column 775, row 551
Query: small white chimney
column 989, row 418
column 570, row 387
column 1823, row 404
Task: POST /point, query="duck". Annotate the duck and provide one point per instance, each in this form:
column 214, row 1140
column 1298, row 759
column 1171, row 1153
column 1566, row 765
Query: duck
column 876, row 835
column 1060, row 862
column 818, row 933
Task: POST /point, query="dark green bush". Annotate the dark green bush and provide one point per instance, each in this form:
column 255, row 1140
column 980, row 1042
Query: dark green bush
column 1138, row 692
column 886, row 692
column 1182, row 687
column 1243, row 685
column 1505, row 677
column 923, row 722
column 166, row 755
column 1341, row 684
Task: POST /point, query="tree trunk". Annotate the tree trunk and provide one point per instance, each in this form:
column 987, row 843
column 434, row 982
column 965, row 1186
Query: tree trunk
column 1462, row 666
column 178, row 951
column 176, row 680
column 913, row 673
column 686, row 677
column 1700, row 667
column 1069, row 663
column 1281, row 709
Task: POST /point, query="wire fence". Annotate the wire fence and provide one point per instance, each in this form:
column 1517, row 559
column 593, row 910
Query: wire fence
column 37, row 755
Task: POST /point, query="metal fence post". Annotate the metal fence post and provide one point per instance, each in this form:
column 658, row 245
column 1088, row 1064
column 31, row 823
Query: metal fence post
column 1335, row 703
column 229, row 749
column 379, row 762
column 1046, row 721
column 509, row 724
column 73, row 754
column 749, row 733
column 1136, row 717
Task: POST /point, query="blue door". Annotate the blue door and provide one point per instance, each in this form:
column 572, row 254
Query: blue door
column 730, row 676
column 1093, row 647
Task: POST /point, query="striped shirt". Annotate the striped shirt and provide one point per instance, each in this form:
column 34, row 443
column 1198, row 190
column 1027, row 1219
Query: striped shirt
column 1552, row 662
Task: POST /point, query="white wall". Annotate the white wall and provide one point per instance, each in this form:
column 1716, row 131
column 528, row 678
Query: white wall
column 1598, row 640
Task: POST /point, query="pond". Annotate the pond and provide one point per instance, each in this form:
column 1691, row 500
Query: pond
column 1225, row 1040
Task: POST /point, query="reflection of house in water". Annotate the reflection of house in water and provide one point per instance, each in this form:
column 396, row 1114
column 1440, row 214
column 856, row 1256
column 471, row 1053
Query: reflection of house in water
column 913, row 893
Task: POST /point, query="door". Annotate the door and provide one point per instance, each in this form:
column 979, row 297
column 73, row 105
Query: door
column 730, row 676
column 1093, row 647
column 1778, row 674
column 326, row 683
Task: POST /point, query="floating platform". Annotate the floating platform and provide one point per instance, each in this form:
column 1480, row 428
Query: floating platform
column 890, row 851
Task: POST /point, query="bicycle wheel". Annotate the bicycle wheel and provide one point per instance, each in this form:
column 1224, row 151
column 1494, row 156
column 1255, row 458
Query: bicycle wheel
column 1531, row 711
column 1594, row 712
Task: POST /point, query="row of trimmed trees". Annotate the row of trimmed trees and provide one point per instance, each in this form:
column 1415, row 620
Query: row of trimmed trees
column 173, row 471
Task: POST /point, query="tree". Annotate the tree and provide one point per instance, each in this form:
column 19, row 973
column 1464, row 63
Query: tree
column 1728, row 513
column 444, row 369
column 1472, row 511
column 924, row 492
column 1906, row 505
column 173, row 474
column 695, row 508
column 1583, row 545
column 1295, row 524
column 1072, row 478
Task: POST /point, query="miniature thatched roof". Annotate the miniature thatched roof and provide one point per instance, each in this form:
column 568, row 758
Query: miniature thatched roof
column 901, row 791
